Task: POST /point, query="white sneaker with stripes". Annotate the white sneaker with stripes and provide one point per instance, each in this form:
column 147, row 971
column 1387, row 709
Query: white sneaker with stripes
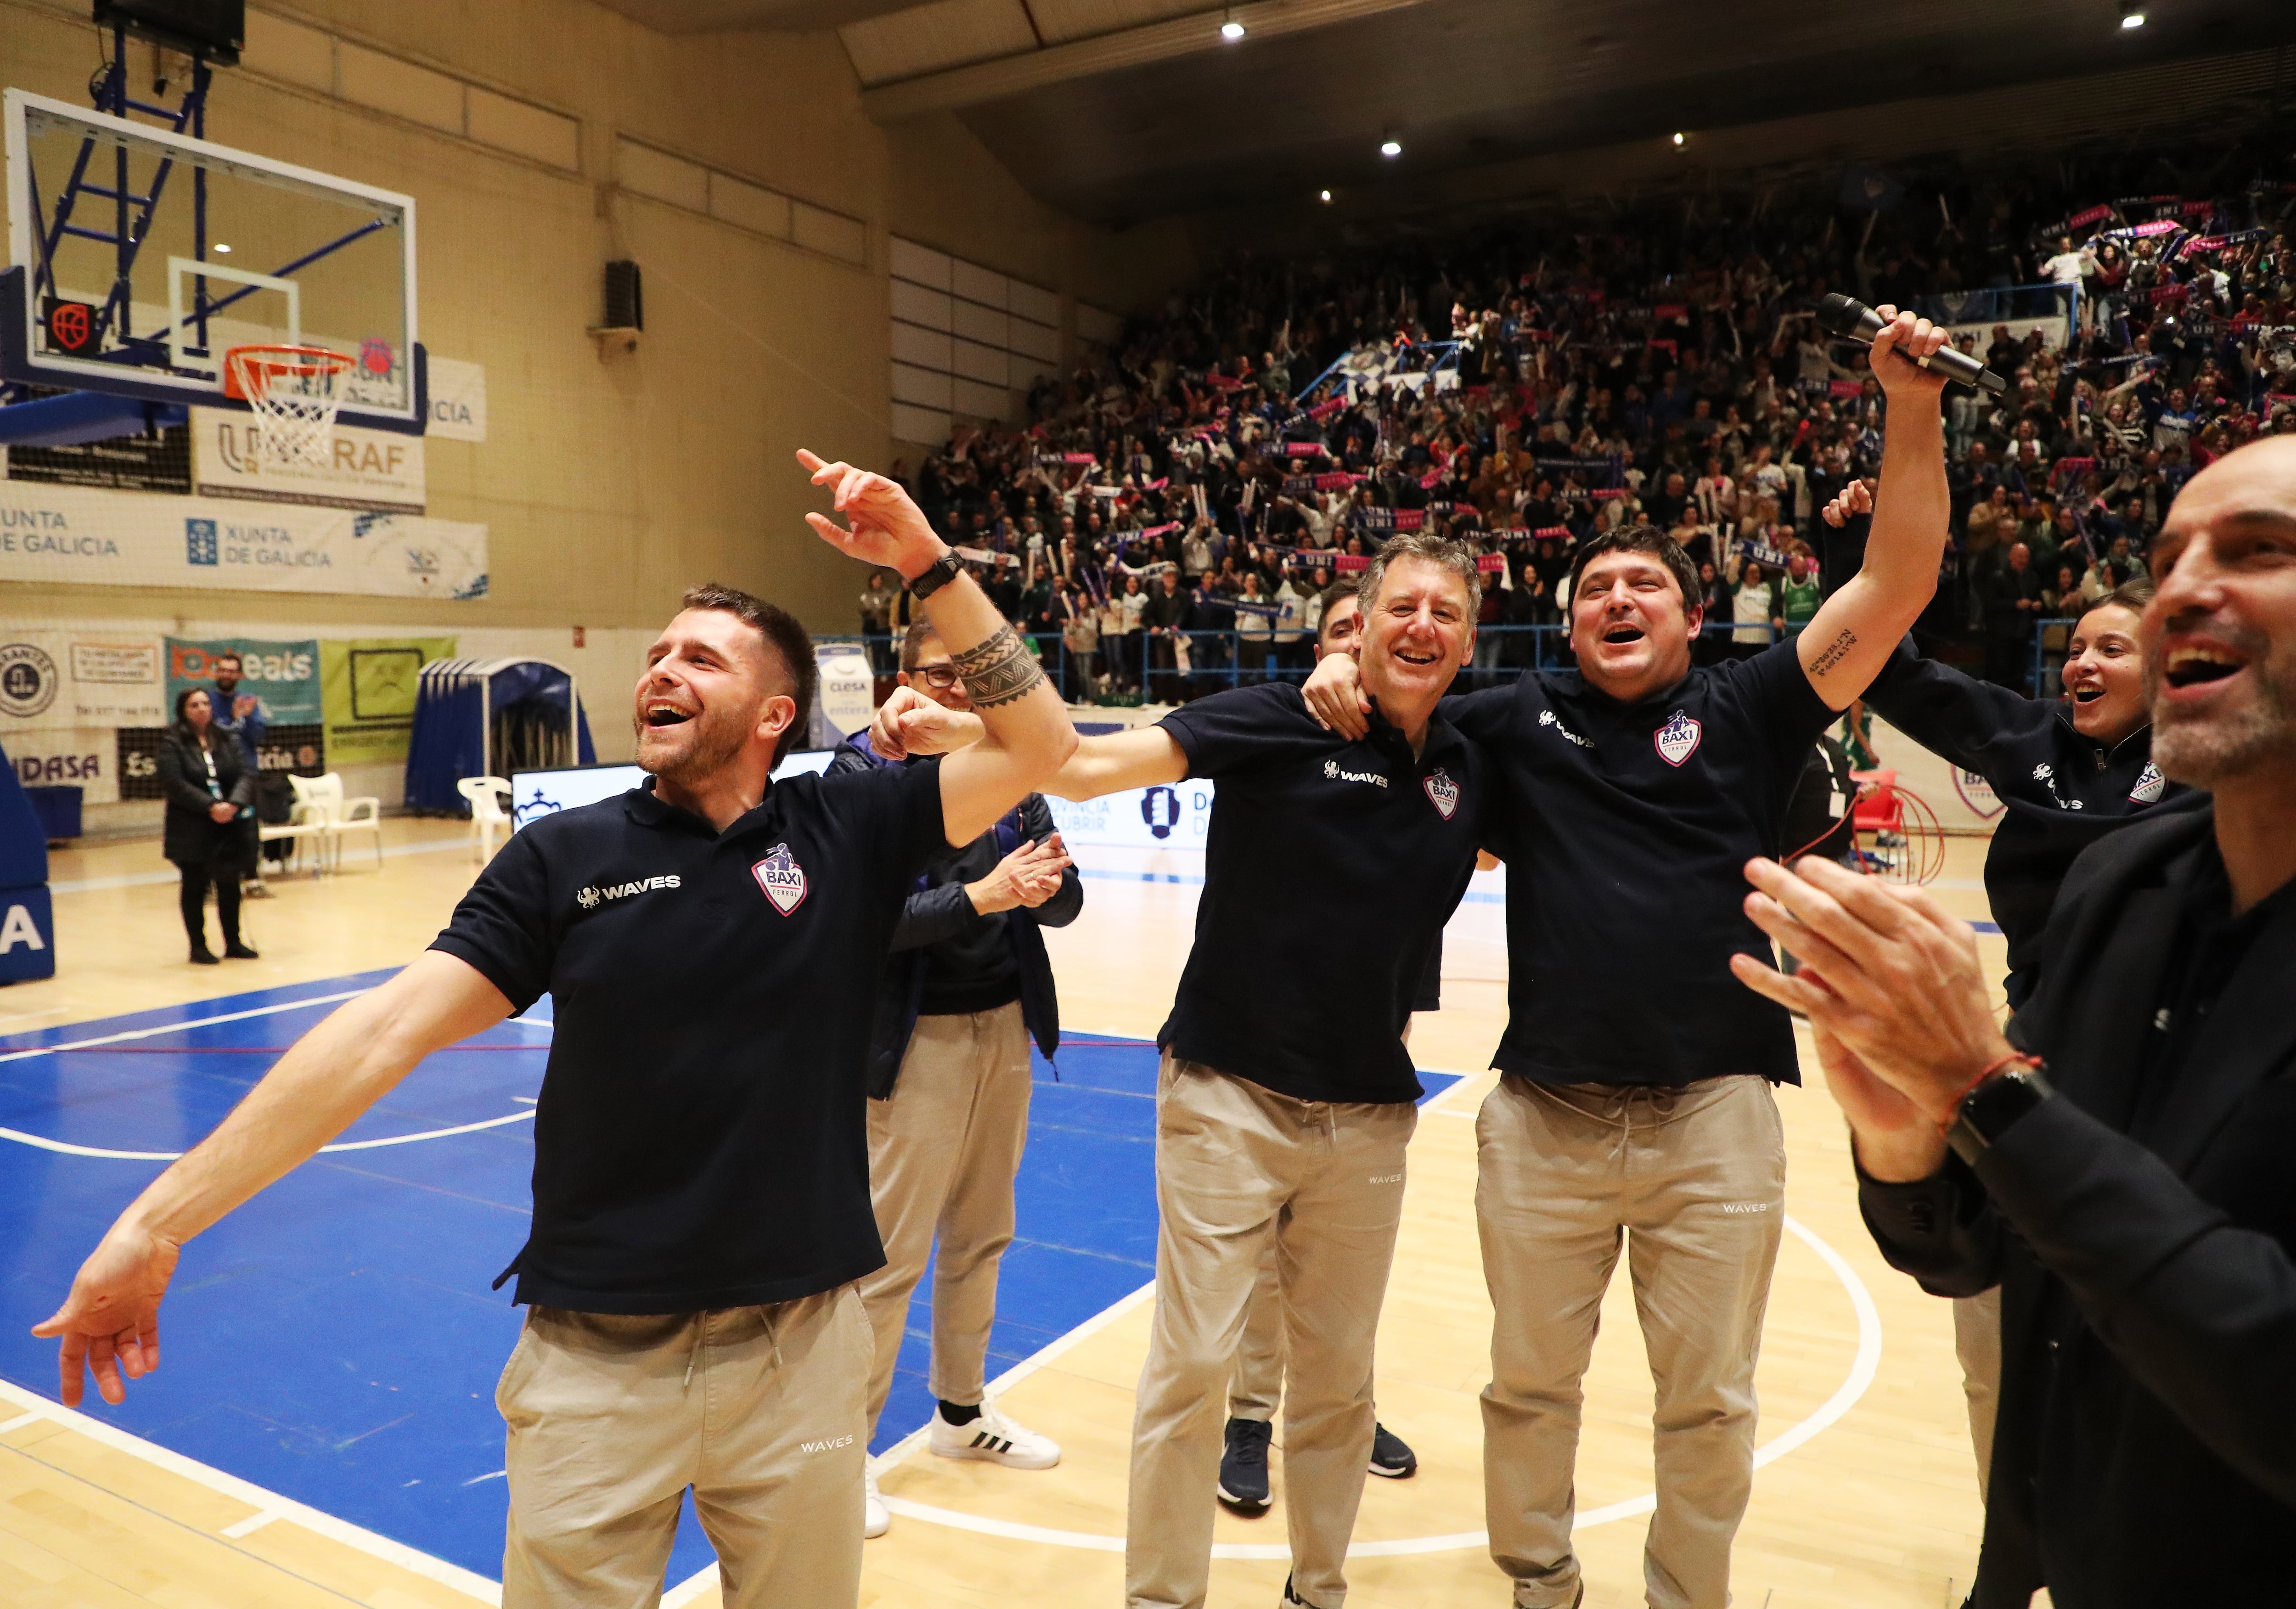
column 996, row 1437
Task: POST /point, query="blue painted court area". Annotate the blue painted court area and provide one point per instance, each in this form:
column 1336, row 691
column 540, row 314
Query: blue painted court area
column 335, row 1341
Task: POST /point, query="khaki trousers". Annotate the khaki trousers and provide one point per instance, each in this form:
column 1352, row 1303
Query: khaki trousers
column 943, row 1152
column 1693, row 1181
column 1238, row 1167
column 1977, row 1342
column 758, row 1410
column 1258, row 1383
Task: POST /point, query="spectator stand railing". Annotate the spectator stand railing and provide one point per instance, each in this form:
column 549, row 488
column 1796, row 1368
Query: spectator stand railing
column 2049, row 656
column 1150, row 666
column 1413, row 366
column 2048, row 304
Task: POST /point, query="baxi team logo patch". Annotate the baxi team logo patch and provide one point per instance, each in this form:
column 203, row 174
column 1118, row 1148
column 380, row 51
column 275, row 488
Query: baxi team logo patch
column 1677, row 740
column 782, row 878
column 2150, row 785
column 1443, row 791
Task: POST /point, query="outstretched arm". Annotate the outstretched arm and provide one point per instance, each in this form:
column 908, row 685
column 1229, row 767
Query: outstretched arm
column 110, row 1324
column 1016, row 704
column 1844, row 647
column 909, row 723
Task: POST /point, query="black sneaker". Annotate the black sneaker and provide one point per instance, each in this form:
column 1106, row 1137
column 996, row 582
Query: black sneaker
column 1292, row 1600
column 1243, row 1467
column 1390, row 1456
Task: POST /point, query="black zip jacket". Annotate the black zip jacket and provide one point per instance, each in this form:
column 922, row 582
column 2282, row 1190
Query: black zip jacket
column 938, row 909
column 2060, row 791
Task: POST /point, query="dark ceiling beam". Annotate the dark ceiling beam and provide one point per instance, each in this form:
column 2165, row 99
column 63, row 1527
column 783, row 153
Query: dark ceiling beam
column 958, row 87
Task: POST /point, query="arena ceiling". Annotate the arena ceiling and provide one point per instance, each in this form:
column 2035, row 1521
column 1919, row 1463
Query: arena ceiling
column 1122, row 110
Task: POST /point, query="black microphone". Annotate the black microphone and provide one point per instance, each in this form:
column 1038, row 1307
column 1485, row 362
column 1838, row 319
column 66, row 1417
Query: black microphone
column 1856, row 321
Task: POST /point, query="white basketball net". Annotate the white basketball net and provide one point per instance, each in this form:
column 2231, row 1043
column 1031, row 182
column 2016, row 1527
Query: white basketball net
column 293, row 393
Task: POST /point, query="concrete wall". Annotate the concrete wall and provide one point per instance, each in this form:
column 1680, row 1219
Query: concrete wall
column 608, row 484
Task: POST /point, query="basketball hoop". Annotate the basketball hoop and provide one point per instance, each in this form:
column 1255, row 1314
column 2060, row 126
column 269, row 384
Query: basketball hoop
column 291, row 391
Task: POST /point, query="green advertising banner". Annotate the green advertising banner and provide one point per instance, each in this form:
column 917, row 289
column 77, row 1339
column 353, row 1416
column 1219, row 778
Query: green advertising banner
column 284, row 676
column 369, row 685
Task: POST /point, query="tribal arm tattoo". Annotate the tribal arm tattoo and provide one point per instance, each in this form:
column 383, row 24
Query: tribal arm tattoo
column 999, row 669
column 1834, row 653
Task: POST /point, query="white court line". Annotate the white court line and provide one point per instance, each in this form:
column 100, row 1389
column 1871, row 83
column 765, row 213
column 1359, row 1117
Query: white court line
column 249, row 1526
column 327, row 1525
column 1862, row 1370
column 19, row 1421
column 65, row 1148
column 130, row 880
column 153, row 1033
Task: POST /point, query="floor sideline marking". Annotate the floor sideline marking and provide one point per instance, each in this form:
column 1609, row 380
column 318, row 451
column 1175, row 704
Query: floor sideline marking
column 65, row 1148
column 317, row 1521
column 1862, row 1367
column 153, row 1033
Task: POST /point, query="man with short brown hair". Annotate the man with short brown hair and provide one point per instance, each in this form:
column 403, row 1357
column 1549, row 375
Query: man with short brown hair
column 701, row 1178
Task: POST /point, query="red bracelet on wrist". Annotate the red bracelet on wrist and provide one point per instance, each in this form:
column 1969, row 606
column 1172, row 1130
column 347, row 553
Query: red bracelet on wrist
column 2015, row 1058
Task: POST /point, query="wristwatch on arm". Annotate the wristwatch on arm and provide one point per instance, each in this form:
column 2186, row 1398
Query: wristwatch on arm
column 1999, row 1100
column 936, row 575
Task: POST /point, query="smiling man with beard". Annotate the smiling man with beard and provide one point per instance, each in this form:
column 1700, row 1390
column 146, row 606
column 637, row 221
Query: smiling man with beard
column 1633, row 1105
column 1284, row 1104
column 2119, row 1163
column 700, row 1183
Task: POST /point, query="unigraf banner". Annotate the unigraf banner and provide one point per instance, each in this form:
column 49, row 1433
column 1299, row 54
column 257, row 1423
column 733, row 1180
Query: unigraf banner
column 68, row 680
column 84, row 537
column 367, row 687
column 281, row 677
column 368, row 469
column 1159, row 817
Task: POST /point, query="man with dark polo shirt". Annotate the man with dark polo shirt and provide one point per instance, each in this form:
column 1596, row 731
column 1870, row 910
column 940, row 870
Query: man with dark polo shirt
column 1633, row 1104
column 1284, row 1105
column 701, row 1176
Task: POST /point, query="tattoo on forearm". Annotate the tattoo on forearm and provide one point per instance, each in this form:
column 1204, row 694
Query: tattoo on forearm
column 1835, row 653
column 999, row 669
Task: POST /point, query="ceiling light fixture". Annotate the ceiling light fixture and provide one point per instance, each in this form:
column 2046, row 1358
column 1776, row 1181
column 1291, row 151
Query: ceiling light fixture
column 2132, row 18
column 1231, row 31
column 1324, row 195
column 1679, row 139
column 1390, row 147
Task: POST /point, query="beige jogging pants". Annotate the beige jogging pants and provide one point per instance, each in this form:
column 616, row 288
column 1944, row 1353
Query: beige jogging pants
column 1977, row 1343
column 1238, row 1166
column 943, row 1152
column 1693, row 1181
column 758, row 1410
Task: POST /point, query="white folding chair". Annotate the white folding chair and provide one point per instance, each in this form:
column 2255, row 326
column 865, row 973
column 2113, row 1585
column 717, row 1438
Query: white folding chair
column 340, row 815
column 306, row 822
column 488, row 816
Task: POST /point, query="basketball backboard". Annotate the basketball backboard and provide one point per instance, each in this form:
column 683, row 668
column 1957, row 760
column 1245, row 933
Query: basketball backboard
column 138, row 256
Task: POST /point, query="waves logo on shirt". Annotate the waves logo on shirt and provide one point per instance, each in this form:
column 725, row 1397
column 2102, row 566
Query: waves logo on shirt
column 1677, row 740
column 782, row 878
column 1443, row 791
column 2150, row 785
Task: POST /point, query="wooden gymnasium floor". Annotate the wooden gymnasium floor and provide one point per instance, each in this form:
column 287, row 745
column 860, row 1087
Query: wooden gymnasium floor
column 1867, row 1499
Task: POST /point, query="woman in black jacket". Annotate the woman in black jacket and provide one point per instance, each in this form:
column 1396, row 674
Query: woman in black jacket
column 208, row 790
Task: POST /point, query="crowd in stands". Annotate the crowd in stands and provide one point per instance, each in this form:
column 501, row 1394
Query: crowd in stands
column 1199, row 493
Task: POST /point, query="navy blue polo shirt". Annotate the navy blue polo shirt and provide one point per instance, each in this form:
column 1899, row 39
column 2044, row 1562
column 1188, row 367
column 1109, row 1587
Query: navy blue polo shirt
column 1626, row 829
column 702, row 1138
column 1313, row 836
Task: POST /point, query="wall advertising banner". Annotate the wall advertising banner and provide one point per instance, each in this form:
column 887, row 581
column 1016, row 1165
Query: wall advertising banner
column 367, row 688
column 296, row 749
column 1138, row 818
column 370, row 469
column 458, row 400
column 282, row 678
column 70, row 680
column 102, row 538
column 85, row 759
